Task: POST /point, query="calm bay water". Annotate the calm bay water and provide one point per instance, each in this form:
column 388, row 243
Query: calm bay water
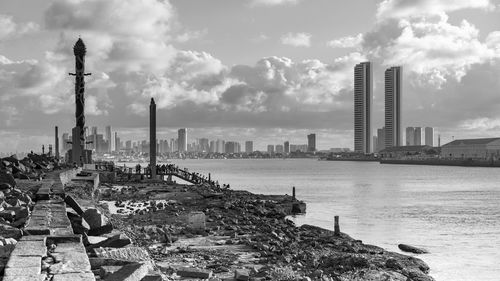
column 453, row 212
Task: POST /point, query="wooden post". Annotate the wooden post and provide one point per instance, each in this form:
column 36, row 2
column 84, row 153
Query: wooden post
column 337, row 227
column 293, row 192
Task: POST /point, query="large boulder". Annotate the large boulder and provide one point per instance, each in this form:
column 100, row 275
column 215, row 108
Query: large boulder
column 412, row 249
column 94, row 218
column 7, row 178
column 8, row 231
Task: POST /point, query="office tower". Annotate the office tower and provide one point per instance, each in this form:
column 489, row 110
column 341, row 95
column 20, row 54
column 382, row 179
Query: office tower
column 287, row 147
column 203, row 145
column 279, row 148
column 128, row 145
column 363, row 98
column 393, row 88
column 410, row 136
column 418, row 136
column 380, row 139
column 311, row 142
column 182, row 140
column 232, row 147
column 248, row 146
column 212, row 147
column 270, row 149
column 429, row 136
column 117, row 142
column 152, row 138
column 108, row 137
column 220, row 146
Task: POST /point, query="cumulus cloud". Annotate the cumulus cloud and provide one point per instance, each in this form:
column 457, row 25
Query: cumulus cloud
column 346, row 42
column 272, row 2
column 300, row 39
column 10, row 29
column 415, row 8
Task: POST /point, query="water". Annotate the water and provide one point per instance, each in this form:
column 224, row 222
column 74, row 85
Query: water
column 453, row 212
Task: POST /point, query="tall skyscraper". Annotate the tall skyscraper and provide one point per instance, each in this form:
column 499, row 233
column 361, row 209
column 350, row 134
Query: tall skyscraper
column 418, row 136
column 380, row 139
column 117, row 142
column 248, row 146
column 393, row 87
column 270, row 149
column 220, row 146
column 429, row 136
column 279, row 148
column 287, row 147
column 311, row 142
column 108, row 138
column 410, row 136
column 363, row 99
column 182, row 140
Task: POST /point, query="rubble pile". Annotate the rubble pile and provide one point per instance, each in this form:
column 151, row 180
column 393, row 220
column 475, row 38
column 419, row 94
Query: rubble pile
column 202, row 232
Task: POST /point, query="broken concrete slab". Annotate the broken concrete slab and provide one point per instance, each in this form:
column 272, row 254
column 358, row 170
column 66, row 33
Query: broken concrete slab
column 194, row 272
column 132, row 254
column 94, row 218
column 74, row 277
column 131, row 272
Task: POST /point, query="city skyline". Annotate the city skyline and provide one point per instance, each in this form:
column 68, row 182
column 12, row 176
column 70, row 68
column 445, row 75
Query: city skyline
column 294, row 78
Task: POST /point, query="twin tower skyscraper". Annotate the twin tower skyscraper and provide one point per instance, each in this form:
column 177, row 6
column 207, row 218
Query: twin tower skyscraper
column 363, row 103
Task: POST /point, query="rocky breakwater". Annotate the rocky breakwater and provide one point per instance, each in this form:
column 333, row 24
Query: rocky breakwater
column 17, row 194
column 206, row 232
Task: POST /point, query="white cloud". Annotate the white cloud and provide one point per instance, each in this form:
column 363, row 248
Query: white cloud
column 346, row 42
column 416, row 8
column 190, row 35
column 482, row 124
column 272, row 2
column 300, row 39
column 10, row 29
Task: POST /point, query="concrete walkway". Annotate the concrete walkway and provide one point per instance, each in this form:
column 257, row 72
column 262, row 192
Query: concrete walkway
column 48, row 249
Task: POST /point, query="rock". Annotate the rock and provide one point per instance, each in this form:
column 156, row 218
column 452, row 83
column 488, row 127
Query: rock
column 107, row 270
column 116, row 241
column 196, row 221
column 19, row 212
column 194, row 272
column 412, row 249
column 131, row 272
column 8, row 179
column 107, row 228
column 7, row 231
column 132, row 254
column 94, row 218
column 70, row 201
column 8, row 215
column 242, row 274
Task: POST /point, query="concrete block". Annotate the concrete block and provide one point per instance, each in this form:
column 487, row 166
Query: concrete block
column 131, row 272
column 22, row 271
column 36, row 277
column 30, row 248
column 194, row 272
column 24, row 261
column 196, row 220
column 132, row 254
column 242, row 274
column 70, row 201
column 74, row 277
column 152, row 277
column 70, row 262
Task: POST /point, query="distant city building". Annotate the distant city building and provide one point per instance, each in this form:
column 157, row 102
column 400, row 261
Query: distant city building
column 280, row 148
column 488, row 148
column 248, row 146
column 108, row 138
column 270, row 149
column 299, row 148
column 182, row 140
column 287, row 147
column 203, row 145
column 212, row 148
column 232, row 147
column 418, row 136
column 410, row 136
column 393, row 106
column 220, row 146
column 363, row 99
column 429, row 136
column 311, row 142
column 380, row 139
column 117, row 142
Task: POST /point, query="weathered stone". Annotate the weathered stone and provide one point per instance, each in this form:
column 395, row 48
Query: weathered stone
column 194, row 272
column 96, row 263
column 152, row 277
column 70, row 262
column 8, row 179
column 94, row 218
column 132, row 254
column 21, row 271
column 70, row 201
column 10, row 232
column 412, row 249
column 8, row 215
column 116, row 241
column 242, row 274
column 196, row 221
column 108, row 269
column 107, row 228
column 30, row 248
column 74, row 277
column 24, row 261
column 36, row 277
column 131, row 272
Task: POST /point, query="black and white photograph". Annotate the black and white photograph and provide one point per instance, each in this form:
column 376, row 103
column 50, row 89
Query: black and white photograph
column 228, row 140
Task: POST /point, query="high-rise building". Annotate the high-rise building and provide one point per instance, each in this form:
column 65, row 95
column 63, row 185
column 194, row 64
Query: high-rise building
column 418, row 136
column 248, row 146
column 279, row 148
column 429, row 136
column 182, row 140
column 203, row 145
column 363, row 99
column 410, row 136
column 287, row 147
column 232, row 147
column 117, row 142
column 311, row 142
column 393, row 88
column 108, row 138
column 380, row 139
column 270, row 149
column 212, row 147
column 220, row 146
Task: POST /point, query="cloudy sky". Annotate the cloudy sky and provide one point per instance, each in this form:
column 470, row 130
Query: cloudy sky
column 268, row 70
